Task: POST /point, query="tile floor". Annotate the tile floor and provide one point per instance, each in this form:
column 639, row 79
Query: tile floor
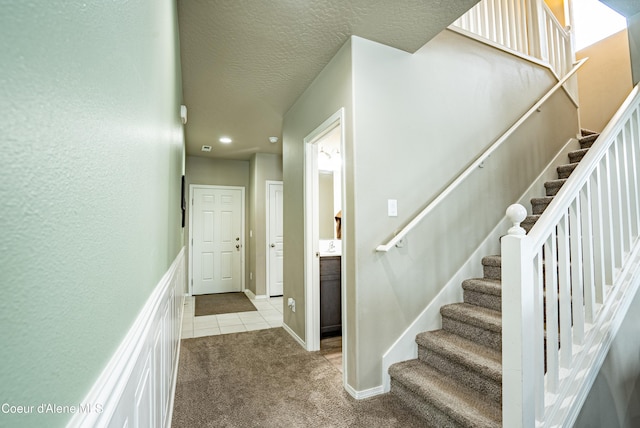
column 331, row 349
column 268, row 315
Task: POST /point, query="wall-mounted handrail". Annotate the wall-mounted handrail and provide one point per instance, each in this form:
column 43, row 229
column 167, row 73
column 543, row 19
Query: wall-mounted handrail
column 483, row 157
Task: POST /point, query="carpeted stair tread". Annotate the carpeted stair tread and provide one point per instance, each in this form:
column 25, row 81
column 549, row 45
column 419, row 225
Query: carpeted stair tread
column 586, row 142
column 538, row 205
column 577, row 155
column 465, row 361
column 478, row 358
column 543, row 200
column 564, row 171
column 529, row 221
column 495, row 260
column 552, row 186
column 462, row 405
column 483, row 285
column 492, row 267
column 457, row 379
column 586, row 132
column 473, row 315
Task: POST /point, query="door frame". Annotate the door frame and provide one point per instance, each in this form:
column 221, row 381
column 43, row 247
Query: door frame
column 268, row 234
column 192, row 187
column 311, row 236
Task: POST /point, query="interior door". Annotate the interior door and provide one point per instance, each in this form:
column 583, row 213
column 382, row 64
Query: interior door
column 275, row 240
column 217, row 240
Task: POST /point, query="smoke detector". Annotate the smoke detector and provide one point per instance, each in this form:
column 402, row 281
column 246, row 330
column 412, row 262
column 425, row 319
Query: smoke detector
column 273, row 140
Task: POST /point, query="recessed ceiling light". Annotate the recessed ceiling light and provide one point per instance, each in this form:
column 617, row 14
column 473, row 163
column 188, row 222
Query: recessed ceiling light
column 225, row 140
column 206, row 148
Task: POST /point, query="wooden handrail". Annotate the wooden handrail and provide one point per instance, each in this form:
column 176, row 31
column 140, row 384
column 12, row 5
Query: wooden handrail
column 467, row 172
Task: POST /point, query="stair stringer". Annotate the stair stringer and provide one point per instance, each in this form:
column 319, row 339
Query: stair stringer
column 405, row 347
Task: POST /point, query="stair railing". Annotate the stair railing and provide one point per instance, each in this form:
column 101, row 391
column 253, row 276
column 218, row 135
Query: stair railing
column 502, row 21
column 565, row 284
column 477, row 163
column 525, row 26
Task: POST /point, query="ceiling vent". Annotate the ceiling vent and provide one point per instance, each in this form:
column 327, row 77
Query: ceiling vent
column 206, row 148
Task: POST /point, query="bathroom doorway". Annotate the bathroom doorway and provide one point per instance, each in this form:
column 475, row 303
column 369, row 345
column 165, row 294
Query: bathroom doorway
column 324, row 244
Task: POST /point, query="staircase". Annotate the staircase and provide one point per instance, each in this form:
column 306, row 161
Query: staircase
column 456, row 381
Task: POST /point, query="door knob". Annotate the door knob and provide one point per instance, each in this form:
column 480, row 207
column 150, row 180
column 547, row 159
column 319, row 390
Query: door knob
column 273, row 245
column 238, row 238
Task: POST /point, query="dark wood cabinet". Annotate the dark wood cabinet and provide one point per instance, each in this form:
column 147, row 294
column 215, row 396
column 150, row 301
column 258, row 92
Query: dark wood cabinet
column 330, row 296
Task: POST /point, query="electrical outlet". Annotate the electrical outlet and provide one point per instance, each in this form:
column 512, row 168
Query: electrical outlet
column 291, row 302
column 250, row 276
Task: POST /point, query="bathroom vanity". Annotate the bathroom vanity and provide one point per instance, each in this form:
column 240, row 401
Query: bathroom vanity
column 330, row 295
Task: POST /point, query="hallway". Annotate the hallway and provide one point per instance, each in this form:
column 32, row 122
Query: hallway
column 265, row 379
column 268, row 315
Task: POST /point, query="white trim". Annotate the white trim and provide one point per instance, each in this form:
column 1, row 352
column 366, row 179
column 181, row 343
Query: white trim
column 174, row 381
column 268, row 234
column 252, row 296
column 242, row 229
column 294, row 335
column 405, row 347
column 311, row 239
column 115, row 388
column 312, row 286
column 359, row 395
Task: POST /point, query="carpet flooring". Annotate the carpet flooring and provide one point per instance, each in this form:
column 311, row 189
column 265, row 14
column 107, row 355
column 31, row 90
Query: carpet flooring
column 222, row 303
column 266, row 379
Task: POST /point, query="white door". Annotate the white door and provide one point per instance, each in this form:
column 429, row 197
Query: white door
column 275, row 241
column 216, row 251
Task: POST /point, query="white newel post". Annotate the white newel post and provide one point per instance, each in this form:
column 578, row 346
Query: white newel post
column 518, row 408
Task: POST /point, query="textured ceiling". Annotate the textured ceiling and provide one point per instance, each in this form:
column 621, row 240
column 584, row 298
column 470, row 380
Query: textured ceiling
column 245, row 62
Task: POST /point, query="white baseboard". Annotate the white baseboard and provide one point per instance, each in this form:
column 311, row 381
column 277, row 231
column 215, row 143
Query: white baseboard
column 359, row 395
column 136, row 387
column 405, row 348
column 250, row 294
column 294, row 335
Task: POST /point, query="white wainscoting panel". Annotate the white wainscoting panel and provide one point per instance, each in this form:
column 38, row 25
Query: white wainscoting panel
column 137, row 386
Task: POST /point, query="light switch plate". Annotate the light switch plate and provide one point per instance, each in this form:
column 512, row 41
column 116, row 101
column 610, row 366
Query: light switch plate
column 392, row 207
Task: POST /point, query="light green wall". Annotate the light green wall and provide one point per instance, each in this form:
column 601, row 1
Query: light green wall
column 91, row 162
column 217, row 172
column 263, row 167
